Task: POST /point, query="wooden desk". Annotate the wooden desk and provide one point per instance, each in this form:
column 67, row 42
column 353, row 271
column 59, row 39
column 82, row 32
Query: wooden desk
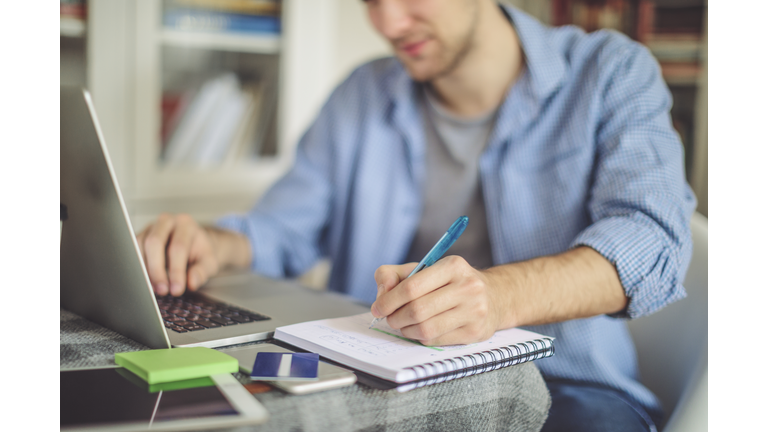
column 510, row 399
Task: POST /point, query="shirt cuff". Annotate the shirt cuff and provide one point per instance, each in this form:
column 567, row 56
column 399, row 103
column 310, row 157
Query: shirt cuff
column 644, row 259
column 260, row 262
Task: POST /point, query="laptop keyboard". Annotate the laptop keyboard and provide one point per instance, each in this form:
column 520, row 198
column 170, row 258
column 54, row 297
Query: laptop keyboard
column 192, row 312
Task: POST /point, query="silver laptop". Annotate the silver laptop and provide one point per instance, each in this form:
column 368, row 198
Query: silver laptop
column 103, row 277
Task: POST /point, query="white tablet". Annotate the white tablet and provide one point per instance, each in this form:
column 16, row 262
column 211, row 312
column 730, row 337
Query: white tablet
column 114, row 399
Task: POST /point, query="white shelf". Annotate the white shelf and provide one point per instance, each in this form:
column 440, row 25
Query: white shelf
column 682, row 81
column 260, row 44
column 72, row 27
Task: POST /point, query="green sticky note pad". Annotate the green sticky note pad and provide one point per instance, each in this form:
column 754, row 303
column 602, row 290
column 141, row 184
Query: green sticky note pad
column 176, row 364
column 169, row 386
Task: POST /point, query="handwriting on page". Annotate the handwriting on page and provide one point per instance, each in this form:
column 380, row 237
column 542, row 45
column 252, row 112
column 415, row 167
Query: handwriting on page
column 383, row 327
column 371, row 346
column 381, row 341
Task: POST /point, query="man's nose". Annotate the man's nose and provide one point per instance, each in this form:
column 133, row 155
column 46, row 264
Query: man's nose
column 392, row 18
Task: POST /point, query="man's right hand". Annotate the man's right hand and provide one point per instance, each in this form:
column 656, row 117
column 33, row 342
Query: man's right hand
column 180, row 254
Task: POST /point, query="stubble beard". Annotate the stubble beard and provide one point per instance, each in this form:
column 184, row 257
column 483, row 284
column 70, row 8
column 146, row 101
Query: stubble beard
column 452, row 58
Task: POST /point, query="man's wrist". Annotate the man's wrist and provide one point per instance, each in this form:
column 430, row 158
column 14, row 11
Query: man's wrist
column 231, row 249
column 503, row 281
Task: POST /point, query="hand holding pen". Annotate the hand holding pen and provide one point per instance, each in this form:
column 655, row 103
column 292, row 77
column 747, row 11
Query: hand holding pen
column 437, row 251
column 447, row 303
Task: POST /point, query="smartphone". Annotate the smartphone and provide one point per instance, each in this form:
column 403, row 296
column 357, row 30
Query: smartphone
column 114, row 399
column 328, row 376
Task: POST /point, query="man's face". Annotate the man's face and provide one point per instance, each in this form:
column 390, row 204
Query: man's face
column 430, row 37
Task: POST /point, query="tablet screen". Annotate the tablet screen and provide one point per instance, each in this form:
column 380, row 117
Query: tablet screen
column 107, row 396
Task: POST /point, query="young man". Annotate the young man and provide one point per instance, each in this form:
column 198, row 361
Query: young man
column 559, row 147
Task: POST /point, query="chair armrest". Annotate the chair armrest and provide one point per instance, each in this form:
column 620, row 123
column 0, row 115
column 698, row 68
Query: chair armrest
column 691, row 412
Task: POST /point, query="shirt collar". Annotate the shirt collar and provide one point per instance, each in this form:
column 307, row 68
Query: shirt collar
column 546, row 65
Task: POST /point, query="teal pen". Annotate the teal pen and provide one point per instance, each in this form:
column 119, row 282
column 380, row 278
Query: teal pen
column 438, row 250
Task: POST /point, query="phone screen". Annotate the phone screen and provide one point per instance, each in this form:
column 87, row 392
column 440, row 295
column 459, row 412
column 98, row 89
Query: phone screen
column 106, row 396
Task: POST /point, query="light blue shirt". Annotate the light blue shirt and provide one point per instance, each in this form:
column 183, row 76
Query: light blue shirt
column 582, row 153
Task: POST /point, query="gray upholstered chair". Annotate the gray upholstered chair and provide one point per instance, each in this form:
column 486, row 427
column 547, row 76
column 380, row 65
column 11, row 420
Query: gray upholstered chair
column 672, row 345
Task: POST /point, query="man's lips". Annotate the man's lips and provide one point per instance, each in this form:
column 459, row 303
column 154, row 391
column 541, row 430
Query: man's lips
column 413, row 49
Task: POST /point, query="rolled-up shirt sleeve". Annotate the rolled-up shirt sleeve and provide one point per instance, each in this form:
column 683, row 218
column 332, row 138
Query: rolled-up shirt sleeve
column 640, row 203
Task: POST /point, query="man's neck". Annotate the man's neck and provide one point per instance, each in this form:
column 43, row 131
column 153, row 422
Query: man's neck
column 481, row 81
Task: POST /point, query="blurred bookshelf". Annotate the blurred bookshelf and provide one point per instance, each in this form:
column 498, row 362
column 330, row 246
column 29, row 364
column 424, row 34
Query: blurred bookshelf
column 72, row 61
column 219, row 71
column 201, row 102
column 675, row 32
column 206, row 106
column 214, row 79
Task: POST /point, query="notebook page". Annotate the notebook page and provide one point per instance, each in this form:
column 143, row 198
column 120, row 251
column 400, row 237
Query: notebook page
column 384, row 351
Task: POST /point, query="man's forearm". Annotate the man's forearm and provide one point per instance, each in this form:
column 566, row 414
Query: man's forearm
column 578, row 283
column 232, row 250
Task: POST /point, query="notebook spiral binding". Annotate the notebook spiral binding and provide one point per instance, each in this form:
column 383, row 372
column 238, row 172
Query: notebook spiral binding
column 485, row 361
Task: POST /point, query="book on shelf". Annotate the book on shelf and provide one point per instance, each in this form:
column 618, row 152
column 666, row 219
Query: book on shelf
column 593, row 15
column 663, row 22
column 218, row 136
column 263, row 142
column 74, row 9
column 675, row 49
column 253, row 7
column 385, row 353
column 681, row 72
column 172, row 108
column 198, row 20
column 245, row 142
column 197, row 117
column 220, row 123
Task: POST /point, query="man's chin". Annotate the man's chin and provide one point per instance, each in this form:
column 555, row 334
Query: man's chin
column 419, row 73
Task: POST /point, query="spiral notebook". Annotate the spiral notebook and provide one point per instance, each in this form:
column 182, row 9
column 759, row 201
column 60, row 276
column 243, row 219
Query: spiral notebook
column 385, row 353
